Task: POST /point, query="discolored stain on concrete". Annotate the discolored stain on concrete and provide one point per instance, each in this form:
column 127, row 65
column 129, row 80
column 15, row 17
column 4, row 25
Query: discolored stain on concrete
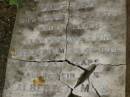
column 39, row 81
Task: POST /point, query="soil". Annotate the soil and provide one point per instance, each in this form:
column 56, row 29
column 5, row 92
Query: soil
column 7, row 19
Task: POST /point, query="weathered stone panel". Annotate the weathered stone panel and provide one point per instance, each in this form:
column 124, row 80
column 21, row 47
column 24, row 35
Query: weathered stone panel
column 68, row 48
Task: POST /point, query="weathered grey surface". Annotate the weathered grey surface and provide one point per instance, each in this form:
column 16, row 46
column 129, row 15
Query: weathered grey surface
column 21, row 75
column 97, row 30
column 107, row 81
column 76, row 46
column 40, row 33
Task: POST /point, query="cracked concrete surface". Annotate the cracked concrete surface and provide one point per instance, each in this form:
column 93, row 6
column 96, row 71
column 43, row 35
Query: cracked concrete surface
column 76, row 46
column 97, row 31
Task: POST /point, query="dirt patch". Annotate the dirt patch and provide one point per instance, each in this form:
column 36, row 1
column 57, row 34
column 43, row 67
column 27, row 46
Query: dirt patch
column 7, row 18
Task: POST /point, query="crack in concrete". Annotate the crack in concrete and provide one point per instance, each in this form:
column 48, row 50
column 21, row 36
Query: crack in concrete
column 95, row 90
column 71, row 63
column 67, row 61
column 66, row 30
column 71, row 94
column 83, row 77
column 49, row 61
